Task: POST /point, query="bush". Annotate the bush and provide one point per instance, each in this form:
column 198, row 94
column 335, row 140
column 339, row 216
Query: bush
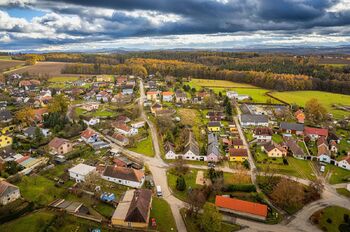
column 241, row 188
column 346, row 218
column 285, row 161
column 329, row 221
column 180, row 183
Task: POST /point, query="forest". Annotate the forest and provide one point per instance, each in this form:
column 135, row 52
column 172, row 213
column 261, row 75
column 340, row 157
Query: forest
column 272, row 71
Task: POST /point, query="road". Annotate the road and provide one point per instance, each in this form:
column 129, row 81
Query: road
column 299, row 222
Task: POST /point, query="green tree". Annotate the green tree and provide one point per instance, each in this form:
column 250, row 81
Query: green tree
column 211, row 218
column 315, row 111
column 59, row 104
column 38, row 135
column 180, row 183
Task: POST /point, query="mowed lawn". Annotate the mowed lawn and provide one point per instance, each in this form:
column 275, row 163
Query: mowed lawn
column 144, row 147
column 338, row 175
column 192, row 117
column 162, row 213
column 326, row 98
column 336, row 215
column 29, row 223
column 190, row 179
column 62, row 79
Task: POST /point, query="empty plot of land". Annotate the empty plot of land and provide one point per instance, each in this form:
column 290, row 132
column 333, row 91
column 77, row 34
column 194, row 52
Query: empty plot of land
column 63, row 79
column 6, row 65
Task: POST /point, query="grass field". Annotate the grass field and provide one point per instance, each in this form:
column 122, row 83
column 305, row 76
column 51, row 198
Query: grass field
column 162, row 213
column 39, row 189
column 29, row 223
column 144, row 147
column 60, row 79
column 330, row 218
column 327, row 99
column 5, row 58
column 192, row 118
column 339, row 175
column 344, row 192
column 190, row 179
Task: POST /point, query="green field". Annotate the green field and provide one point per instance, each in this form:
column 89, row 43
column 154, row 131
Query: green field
column 30, row 223
column 339, row 175
column 62, row 79
column 326, row 98
column 5, row 58
column 162, row 213
column 144, row 147
column 190, row 179
column 344, row 192
column 330, row 218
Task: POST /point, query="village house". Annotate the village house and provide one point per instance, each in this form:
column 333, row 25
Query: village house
column 30, row 131
column 345, row 163
column 214, row 126
column 8, row 193
column 120, row 139
column 5, row 116
column 180, row 97
column 237, row 143
column 133, row 210
column 125, row 129
column 153, row 95
column 213, row 152
column 242, row 208
column 237, row 154
column 170, row 151
column 323, row 151
column 274, row 150
column 155, row 107
column 314, row 133
column 5, row 141
column 89, row 136
column 215, row 116
column 90, row 106
column 192, row 151
column 60, row 146
column 292, row 128
column 247, row 120
column 262, row 134
column 92, row 121
column 80, row 171
column 124, row 176
column 168, row 96
column 300, row 116
column 103, row 96
column 127, row 89
column 104, row 78
column 121, row 80
column 138, row 125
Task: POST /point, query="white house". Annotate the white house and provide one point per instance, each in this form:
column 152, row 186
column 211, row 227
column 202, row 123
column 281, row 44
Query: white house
column 125, row 176
column 89, row 136
column 345, row 163
column 247, row 120
column 324, row 158
column 8, row 193
column 126, row 130
column 92, row 121
column 80, row 171
column 138, row 125
column 170, row 151
column 231, row 94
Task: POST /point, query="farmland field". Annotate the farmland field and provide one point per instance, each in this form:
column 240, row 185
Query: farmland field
column 326, row 98
column 62, row 79
column 197, row 83
column 7, row 64
column 51, row 69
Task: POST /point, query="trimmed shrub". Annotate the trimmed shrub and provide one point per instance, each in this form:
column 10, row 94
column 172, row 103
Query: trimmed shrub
column 241, row 188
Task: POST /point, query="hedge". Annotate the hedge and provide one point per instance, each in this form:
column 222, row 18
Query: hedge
column 17, row 214
column 241, row 188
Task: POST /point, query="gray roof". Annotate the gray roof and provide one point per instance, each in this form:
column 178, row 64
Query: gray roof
column 214, row 123
column 212, row 138
column 5, row 115
column 192, row 145
column 256, row 118
column 292, row 126
column 213, row 148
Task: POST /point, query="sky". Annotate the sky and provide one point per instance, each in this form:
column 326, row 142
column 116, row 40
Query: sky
column 86, row 25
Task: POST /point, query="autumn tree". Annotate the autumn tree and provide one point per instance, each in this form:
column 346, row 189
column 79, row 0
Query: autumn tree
column 211, row 218
column 59, row 104
column 288, row 194
column 196, row 200
column 25, row 115
column 315, row 111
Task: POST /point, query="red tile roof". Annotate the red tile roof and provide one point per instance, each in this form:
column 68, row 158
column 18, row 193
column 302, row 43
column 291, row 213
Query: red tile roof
column 241, row 206
column 316, row 131
column 87, row 133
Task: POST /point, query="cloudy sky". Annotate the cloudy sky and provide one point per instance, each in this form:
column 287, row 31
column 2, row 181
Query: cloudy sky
column 66, row 25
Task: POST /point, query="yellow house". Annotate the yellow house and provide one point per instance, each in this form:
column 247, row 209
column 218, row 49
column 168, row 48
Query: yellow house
column 214, row 126
column 238, row 155
column 133, row 211
column 274, row 150
column 8, row 129
column 5, row 141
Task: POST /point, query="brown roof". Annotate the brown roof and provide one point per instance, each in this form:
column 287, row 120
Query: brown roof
column 238, row 152
column 237, row 142
column 269, row 147
column 4, row 186
column 124, row 173
column 322, row 140
column 262, row 131
column 57, row 142
column 139, row 207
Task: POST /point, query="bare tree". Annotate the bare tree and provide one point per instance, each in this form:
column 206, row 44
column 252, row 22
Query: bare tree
column 288, row 193
column 196, row 200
